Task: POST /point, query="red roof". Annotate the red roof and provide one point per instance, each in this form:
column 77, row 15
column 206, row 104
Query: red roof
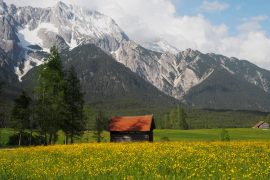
column 131, row 123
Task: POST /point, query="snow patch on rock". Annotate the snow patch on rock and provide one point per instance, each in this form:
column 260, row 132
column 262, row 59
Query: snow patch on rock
column 263, row 82
column 228, row 69
column 160, row 46
column 29, row 37
column 29, row 63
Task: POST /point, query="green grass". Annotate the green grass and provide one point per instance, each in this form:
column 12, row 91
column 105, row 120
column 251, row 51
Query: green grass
column 212, row 134
column 4, row 135
column 194, row 135
column 172, row 135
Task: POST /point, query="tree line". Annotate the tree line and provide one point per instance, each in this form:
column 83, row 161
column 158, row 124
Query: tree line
column 57, row 104
column 175, row 119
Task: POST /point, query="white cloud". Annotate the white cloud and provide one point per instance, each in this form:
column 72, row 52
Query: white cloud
column 251, row 24
column 151, row 20
column 213, row 6
column 35, row 3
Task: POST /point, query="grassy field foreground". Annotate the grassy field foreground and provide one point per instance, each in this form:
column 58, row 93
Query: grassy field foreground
column 160, row 160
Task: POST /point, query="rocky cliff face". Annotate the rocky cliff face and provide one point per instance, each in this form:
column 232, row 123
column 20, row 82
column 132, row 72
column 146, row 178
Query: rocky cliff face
column 27, row 33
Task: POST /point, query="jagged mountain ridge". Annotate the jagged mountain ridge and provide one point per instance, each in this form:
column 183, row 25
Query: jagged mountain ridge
column 106, row 81
column 67, row 26
column 25, row 31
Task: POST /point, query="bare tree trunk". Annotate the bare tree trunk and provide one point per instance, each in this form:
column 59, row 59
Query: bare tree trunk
column 50, row 138
column 54, row 137
column 99, row 137
column 43, row 114
column 0, row 136
column 45, row 143
column 20, row 137
column 30, row 139
column 66, row 139
column 31, row 122
column 71, row 138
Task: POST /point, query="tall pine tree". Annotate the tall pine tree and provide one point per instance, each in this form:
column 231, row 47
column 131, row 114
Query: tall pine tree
column 182, row 118
column 21, row 114
column 50, row 106
column 74, row 123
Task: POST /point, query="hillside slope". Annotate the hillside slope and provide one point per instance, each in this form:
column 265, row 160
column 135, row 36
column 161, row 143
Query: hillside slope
column 222, row 90
column 106, row 81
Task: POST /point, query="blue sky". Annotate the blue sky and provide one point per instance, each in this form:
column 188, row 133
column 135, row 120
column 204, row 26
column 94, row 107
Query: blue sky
column 234, row 14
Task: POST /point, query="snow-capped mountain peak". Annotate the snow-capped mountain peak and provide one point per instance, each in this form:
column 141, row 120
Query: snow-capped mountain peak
column 27, row 33
column 161, row 46
column 73, row 24
column 67, row 26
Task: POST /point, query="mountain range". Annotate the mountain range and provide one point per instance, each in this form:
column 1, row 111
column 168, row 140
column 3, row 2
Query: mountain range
column 118, row 63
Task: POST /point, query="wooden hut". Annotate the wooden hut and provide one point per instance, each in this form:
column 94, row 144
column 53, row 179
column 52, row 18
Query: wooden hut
column 261, row 124
column 132, row 128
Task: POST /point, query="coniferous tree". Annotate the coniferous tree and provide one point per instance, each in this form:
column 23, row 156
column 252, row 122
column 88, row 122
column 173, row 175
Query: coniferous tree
column 21, row 114
column 182, row 118
column 174, row 118
column 32, row 120
column 74, row 122
column 50, row 106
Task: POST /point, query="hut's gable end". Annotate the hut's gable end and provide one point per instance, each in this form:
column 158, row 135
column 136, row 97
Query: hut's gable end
column 131, row 136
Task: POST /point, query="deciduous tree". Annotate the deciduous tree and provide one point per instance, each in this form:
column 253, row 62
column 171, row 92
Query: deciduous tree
column 21, row 114
column 100, row 125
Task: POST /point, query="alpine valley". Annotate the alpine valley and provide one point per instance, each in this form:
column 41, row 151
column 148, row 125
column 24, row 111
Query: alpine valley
column 112, row 67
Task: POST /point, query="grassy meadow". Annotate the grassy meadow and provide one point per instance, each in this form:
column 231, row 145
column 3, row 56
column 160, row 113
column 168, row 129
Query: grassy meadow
column 185, row 154
column 158, row 160
column 169, row 134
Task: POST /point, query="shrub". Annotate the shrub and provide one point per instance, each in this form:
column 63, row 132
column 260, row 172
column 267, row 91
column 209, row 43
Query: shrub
column 224, row 135
column 25, row 139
